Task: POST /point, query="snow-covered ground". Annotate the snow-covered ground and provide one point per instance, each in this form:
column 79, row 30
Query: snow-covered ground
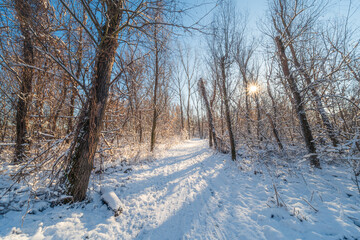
column 191, row 192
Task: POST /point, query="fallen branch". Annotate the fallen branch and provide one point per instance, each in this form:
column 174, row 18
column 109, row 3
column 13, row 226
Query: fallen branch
column 112, row 201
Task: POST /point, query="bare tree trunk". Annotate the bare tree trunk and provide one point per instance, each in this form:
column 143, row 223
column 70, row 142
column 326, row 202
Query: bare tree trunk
column 188, row 115
column 188, row 109
column 222, row 117
column 59, row 107
column 79, row 55
column 199, row 126
column 90, row 124
column 272, row 122
column 275, row 132
column 24, row 14
column 319, row 105
column 304, row 124
column 212, row 133
column 181, row 111
column 156, row 83
column 4, row 128
column 212, row 100
column 247, row 105
column 140, row 128
column 227, row 110
column 70, row 127
column 258, row 119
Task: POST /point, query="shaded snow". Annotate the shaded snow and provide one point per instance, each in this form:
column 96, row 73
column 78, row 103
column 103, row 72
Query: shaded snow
column 190, row 192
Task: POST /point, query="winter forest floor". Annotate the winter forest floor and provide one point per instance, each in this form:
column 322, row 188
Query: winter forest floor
column 191, row 192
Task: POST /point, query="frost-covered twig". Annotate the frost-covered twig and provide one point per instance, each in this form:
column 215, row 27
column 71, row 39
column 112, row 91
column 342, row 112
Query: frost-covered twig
column 310, row 205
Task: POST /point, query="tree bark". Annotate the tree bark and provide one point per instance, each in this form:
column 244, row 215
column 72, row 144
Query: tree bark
column 227, row 110
column 247, row 104
column 212, row 133
column 299, row 106
column 272, row 122
column 258, row 120
column 24, row 13
column 59, row 107
column 181, row 111
column 79, row 54
column 90, row 124
column 156, row 83
column 188, row 108
column 319, row 105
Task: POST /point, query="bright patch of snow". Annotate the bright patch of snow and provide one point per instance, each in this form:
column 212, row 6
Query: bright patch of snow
column 110, row 198
column 191, row 192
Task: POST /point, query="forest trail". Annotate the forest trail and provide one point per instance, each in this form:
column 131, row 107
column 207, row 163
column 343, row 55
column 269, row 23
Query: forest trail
column 191, row 192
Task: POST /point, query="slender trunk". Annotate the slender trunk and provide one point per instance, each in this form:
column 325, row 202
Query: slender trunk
column 188, row 114
column 202, row 127
column 222, row 118
column 181, row 111
column 212, row 133
column 39, row 103
column 319, row 104
column 212, row 138
column 247, row 106
column 83, row 147
column 156, row 83
column 23, row 12
column 275, row 132
column 199, row 126
column 299, row 106
column 258, row 118
column 70, row 127
column 140, row 128
column 4, row 128
column 272, row 122
column 59, row 107
column 227, row 110
column 73, row 88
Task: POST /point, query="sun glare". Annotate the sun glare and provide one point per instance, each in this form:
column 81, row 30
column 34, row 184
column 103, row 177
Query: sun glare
column 253, row 89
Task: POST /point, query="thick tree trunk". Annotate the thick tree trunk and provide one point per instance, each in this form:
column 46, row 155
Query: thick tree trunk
column 90, row 124
column 24, row 14
column 227, row 110
column 304, row 124
column 212, row 133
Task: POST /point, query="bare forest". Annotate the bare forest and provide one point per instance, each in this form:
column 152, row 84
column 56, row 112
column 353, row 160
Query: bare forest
column 92, row 88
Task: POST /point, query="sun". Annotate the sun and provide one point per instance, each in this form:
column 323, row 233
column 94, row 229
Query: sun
column 253, row 89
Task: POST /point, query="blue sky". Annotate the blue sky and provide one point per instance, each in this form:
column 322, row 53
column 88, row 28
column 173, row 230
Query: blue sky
column 256, row 9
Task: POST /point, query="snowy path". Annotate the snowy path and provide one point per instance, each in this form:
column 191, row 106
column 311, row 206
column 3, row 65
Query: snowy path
column 190, row 192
